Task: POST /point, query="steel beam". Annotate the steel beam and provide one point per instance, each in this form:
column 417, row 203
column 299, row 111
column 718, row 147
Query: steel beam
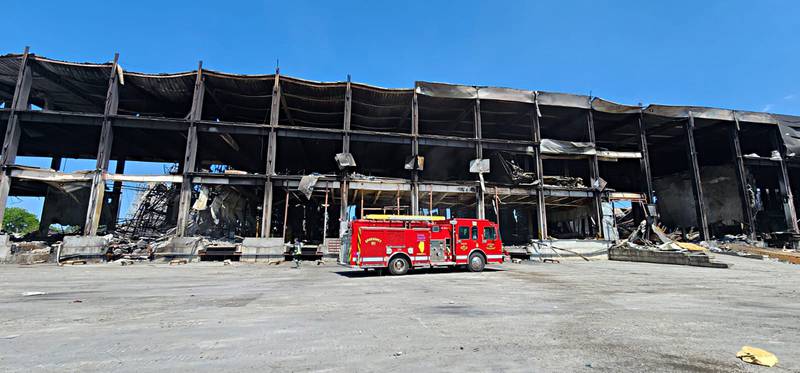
column 697, row 185
column 190, row 154
column 19, row 102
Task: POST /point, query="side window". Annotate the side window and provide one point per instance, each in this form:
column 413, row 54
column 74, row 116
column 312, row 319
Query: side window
column 463, row 233
column 489, row 233
column 435, row 229
column 474, row 233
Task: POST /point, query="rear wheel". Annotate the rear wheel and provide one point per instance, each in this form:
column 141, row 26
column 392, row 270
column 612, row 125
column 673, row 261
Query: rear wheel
column 476, row 263
column 399, row 266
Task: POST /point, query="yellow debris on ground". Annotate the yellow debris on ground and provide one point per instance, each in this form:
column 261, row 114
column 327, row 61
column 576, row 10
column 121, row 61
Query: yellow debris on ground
column 690, row 246
column 757, row 356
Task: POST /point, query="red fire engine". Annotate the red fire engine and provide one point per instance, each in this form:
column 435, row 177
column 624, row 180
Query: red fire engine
column 402, row 242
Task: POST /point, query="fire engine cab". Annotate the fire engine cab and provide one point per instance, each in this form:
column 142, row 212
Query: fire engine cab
column 402, row 242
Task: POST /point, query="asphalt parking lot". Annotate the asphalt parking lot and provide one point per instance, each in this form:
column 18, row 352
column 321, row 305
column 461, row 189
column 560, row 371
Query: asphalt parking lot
column 575, row 316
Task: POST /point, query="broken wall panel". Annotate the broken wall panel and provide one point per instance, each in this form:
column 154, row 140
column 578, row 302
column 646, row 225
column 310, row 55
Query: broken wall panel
column 676, row 206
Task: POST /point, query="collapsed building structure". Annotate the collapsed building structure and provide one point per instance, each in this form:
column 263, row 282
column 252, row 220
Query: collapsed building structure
column 300, row 158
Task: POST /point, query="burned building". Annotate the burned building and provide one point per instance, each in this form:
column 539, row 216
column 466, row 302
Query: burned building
column 272, row 156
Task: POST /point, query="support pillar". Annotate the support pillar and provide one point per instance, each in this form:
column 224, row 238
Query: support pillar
column 786, row 188
column 541, row 206
column 415, row 154
column 272, row 144
column 741, row 178
column 481, row 193
column 644, row 162
column 697, row 186
column 97, row 195
column 344, row 181
column 13, row 129
column 190, row 155
column 594, row 171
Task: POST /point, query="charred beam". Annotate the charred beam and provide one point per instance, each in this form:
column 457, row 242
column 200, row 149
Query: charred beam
column 190, row 154
column 19, row 102
column 697, row 186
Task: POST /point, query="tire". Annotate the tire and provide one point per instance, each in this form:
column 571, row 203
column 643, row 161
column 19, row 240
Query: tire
column 476, row 263
column 399, row 266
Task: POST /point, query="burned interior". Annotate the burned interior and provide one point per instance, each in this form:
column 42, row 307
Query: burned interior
column 288, row 159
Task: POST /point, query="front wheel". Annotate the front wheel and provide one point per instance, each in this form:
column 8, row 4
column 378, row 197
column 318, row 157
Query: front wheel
column 476, row 263
column 399, row 266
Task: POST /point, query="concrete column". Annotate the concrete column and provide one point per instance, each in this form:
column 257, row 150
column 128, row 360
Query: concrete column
column 785, row 188
column 13, row 129
column 344, row 179
column 97, row 195
column 541, row 207
column 741, row 179
column 644, row 162
column 190, row 154
column 594, row 171
column 480, row 195
column 415, row 154
column 697, row 186
column 272, row 144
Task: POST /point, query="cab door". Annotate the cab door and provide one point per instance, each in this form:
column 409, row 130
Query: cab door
column 490, row 239
column 467, row 235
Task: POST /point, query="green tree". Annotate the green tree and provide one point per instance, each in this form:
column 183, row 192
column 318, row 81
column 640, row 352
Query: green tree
column 19, row 220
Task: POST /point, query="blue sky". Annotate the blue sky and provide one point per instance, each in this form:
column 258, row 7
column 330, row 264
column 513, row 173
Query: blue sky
column 732, row 54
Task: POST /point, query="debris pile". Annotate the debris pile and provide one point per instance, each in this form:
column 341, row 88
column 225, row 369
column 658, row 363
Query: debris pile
column 641, row 246
column 30, row 252
column 151, row 213
column 564, row 181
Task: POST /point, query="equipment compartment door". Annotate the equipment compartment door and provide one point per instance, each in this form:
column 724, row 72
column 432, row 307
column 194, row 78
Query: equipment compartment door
column 437, row 251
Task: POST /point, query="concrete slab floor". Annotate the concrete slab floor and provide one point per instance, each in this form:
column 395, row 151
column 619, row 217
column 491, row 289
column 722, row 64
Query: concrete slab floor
column 598, row 316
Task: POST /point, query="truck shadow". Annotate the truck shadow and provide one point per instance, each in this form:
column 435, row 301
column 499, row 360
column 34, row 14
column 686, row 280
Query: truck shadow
column 359, row 273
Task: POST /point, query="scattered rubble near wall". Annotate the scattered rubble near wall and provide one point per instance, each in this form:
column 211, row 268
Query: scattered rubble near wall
column 271, row 159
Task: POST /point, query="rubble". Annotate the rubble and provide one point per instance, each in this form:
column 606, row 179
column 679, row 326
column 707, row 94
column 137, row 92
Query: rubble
column 564, row 181
column 642, row 247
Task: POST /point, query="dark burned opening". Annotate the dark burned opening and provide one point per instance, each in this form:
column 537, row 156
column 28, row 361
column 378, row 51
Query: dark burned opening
column 238, row 152
column 446, row 116
column 312, row 104
column 374, row 158
column 507, row 120
column 384, row 110
column 303, row 156
column 447, row 163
